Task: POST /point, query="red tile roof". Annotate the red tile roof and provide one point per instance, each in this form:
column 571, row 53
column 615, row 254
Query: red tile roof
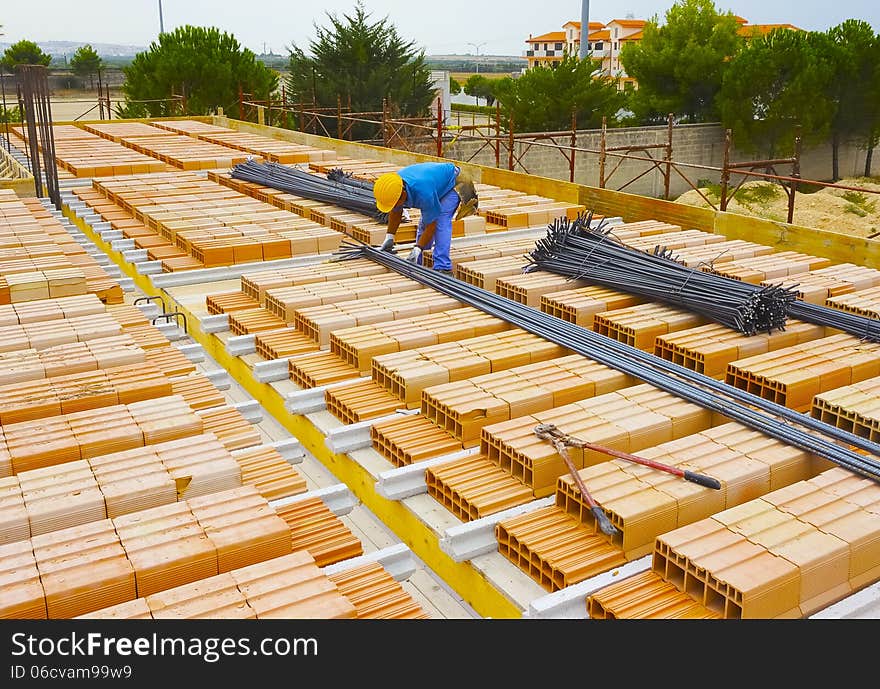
column 547, row 37
column 630, row 23
column 750, row 30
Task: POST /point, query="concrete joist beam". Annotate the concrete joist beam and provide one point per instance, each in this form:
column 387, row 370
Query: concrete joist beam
column 571, row 602
column 406, row 481
column 467, row 541
column 397, row 560
column 338, row 498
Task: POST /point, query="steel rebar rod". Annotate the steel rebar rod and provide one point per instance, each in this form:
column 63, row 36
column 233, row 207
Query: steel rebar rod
column 351, row 197
column 755, row 412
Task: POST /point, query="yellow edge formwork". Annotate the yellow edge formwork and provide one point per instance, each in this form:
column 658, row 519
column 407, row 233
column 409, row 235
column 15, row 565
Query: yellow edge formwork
column 467, row 581
column 836, row 246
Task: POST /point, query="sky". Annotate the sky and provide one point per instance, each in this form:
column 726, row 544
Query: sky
column 476, row 27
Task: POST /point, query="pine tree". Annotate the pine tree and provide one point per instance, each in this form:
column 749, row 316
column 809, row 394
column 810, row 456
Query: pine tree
column 362, row 62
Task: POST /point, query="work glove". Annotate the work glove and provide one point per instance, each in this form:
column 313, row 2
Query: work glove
column 414, row 255
column 388, row 244
column 464, row 187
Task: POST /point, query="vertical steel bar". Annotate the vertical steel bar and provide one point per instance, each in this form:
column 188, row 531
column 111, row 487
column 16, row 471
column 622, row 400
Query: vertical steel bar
column 668, row 176
column 725, row 170
column 602, row 144
column 573, row 144
column 795, row 172
column 510, row 142
column 439, row 127
column 30, row 115
column 497, row 134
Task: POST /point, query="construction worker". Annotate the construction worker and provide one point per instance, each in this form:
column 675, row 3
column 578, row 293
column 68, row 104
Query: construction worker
column 441, row 191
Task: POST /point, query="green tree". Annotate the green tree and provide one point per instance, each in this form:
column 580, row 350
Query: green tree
column 775, row 85
column 203, row 64
column 24, row 53
column 852, row 89
column 86, row 63
column 543, row 98
column 679, row 66
column 365, row 61
column 479, row 86
column 454, row 86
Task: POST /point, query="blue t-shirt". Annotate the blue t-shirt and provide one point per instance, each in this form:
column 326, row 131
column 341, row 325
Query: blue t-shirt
column 426, row 184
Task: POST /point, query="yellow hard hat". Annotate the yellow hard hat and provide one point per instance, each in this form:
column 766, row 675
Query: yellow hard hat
column 387, row 189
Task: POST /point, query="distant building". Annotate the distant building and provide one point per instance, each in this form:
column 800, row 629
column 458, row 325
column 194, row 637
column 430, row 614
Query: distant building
column 605, row 43
column 607, row 40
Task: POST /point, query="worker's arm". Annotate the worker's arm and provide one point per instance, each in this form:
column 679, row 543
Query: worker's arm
column 394, row 218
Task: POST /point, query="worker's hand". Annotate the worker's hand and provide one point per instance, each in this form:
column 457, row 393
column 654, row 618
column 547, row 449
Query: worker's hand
column 388, row 243
column 467, row 195
column 414, row 255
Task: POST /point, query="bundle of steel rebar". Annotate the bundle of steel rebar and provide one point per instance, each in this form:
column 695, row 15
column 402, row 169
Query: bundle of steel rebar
column 775, row 420
column 337, row 174
column 352, row 197
column 580, row 249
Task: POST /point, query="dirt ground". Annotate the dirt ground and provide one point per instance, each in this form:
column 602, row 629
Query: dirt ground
column 850, row 212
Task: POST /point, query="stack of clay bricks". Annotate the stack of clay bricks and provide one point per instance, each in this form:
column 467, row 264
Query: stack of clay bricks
column 485, row 272
column 117, row 131
column 319, row 322
column 454, row 414
column 74, row 335
column 315, row 528
column 81, row 435
column 797, row 550
column 773, row 267
column 91, row 566
column 397, row 379
column 580, row 305
column 352, row 349
column 464, row 408
column 82, row 153
column 188, row 222
column 39, row 501
column 290, row 587
column 256, row 287
column 256, row 284
column 185, row 152
column 44, row 334
column 674, row 239
column 792, row 376
column 851, row 407
column 719, row 252
column 273, row 150
column 642, row 502
column 309, row 326
column 865, row 302
column 492, row 247
column 709, row 348
column 529, row 288
column 817, row 286
column 357, row 225
column 513, row 460
column 315, row 317
column 284, row 302
column 40, row 259
column 191, row 127
column 638, row 326
column 515, row 210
